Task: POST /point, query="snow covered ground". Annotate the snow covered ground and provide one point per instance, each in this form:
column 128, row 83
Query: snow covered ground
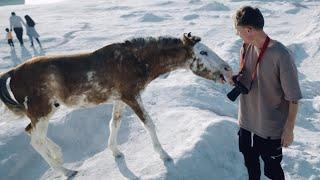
column 195, row 122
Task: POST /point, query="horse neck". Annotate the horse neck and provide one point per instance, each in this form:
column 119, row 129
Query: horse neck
column 167, row 60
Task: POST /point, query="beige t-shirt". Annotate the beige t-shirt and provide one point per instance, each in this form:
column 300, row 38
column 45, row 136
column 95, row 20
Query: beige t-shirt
column 264, row 110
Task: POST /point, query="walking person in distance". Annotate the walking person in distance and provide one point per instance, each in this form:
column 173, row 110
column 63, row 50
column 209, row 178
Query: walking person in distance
column 10, row 38
column 31, row 31
column 16, row 24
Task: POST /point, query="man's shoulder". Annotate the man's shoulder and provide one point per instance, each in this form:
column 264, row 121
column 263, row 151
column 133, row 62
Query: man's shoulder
column 15, row 17
column 281, row 50
column 281, row 47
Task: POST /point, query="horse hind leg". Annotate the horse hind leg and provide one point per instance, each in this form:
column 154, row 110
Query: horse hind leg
column 137, row 106
column 114, row 125
column 50, row 151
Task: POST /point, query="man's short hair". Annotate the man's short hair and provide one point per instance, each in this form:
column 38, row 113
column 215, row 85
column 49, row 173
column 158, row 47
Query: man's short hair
column 13, row 13
column 249, row 16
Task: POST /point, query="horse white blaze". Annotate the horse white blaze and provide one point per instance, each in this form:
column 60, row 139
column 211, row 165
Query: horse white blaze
column 207, row 60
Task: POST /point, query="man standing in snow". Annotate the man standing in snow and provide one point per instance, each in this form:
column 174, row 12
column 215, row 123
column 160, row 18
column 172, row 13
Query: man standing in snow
column 268, row 111
column 16, row 24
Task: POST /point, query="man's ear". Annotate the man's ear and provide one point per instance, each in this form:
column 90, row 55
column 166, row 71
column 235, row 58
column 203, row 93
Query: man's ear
column 190, row 40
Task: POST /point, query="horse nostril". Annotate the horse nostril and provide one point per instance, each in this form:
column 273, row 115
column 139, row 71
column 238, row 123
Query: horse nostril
column 226, row 69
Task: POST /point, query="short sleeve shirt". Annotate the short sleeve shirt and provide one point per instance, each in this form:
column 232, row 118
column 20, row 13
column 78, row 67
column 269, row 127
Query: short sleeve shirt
column 264, row 110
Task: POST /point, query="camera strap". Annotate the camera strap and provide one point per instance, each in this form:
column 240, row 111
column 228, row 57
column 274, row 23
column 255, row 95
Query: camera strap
column 243, row 61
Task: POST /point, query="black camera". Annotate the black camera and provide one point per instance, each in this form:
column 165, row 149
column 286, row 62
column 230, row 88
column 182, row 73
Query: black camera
column 237, row 90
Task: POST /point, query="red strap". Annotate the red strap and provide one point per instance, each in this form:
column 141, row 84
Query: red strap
column 264, row 48
column 242, row 59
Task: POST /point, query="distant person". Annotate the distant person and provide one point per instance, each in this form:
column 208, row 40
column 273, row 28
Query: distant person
column 16, row 24
column 31, row 31
column 9, row 37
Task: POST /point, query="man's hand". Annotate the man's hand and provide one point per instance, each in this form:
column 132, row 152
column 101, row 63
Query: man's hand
column 232, row 80
column 287, row 137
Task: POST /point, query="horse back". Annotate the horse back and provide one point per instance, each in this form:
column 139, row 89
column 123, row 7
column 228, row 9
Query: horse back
column 89, row 77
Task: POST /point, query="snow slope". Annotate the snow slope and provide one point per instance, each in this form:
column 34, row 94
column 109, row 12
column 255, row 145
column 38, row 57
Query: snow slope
column 195, row 122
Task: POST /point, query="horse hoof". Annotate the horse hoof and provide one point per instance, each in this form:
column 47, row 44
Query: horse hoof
column 166, row 158
column 118, row 155
column 71, row 174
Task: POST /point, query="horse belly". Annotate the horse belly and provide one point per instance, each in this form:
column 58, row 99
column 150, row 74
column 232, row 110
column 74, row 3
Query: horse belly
column 92, row 98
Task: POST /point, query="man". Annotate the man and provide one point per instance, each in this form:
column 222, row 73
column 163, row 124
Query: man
column 268, row 111
column 16, row 24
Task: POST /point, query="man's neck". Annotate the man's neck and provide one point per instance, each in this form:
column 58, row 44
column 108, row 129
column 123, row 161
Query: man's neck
column 259, row 39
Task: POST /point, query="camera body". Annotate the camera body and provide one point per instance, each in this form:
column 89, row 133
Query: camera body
column 237, row 90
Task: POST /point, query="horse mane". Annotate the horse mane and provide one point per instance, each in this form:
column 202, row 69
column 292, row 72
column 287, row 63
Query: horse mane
column 162, row 42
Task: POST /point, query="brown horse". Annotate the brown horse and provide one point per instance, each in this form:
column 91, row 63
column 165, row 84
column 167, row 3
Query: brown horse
column 118, row 72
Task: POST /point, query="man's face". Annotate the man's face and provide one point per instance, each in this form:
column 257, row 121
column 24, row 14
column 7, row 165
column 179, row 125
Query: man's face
column 245, row 32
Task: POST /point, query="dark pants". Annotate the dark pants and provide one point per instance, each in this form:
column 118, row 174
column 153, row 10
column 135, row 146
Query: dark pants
column 19, row 33
column 10, row 42
column 269, row 150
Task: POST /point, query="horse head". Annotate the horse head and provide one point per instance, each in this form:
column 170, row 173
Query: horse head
column 205, row 62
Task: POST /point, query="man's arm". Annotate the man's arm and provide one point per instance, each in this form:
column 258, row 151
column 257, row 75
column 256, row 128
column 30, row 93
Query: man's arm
column 287, row 135
column 10, row 24
column 22, row 22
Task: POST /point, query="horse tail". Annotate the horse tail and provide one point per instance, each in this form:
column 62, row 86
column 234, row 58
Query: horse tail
column 7, row 97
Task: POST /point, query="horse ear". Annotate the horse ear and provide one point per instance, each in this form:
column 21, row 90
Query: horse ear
column 190, row 40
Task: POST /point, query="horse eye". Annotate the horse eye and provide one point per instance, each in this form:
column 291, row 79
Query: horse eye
column 204, row 53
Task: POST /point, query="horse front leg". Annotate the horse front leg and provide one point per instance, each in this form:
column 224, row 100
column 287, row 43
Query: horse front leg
column 137, row 106
column 114, row 127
